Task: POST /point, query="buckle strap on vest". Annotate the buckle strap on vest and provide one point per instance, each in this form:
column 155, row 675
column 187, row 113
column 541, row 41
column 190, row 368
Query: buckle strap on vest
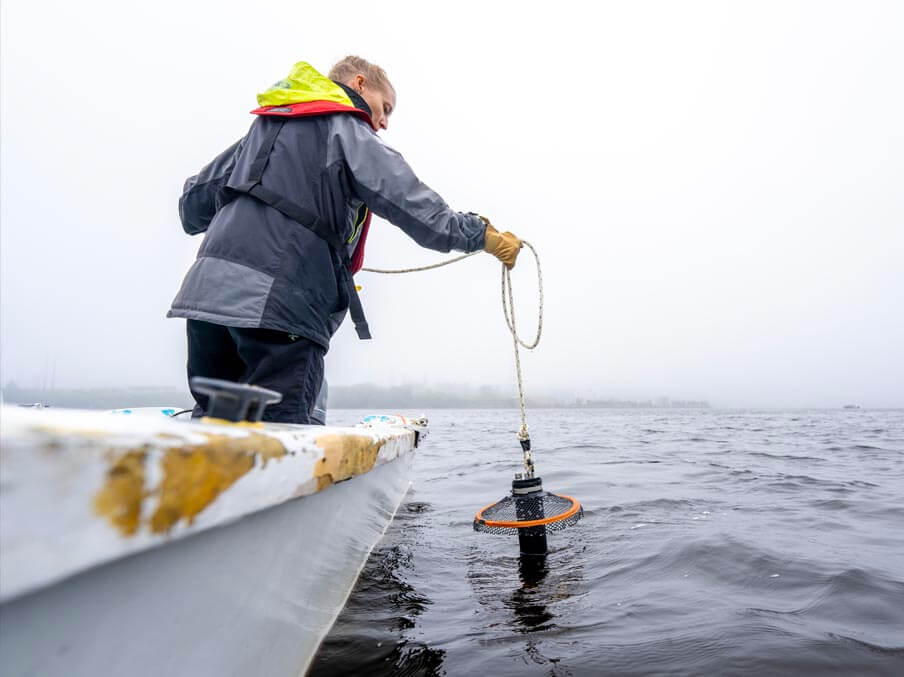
column 355, row 309
column 306, row 218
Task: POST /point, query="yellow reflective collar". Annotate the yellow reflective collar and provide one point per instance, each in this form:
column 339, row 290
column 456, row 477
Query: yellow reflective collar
column 303, row 84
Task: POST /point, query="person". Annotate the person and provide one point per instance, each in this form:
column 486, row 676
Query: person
column 286, row 211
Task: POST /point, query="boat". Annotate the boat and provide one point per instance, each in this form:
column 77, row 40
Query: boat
column 141, row 543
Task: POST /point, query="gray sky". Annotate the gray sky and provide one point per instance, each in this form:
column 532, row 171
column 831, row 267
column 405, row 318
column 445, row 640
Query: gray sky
column 714, row 188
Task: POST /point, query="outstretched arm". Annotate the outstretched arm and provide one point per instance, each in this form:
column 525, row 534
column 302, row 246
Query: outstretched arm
column 387, row 185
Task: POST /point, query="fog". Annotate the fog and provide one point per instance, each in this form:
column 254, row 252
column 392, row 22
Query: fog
column 714, row 189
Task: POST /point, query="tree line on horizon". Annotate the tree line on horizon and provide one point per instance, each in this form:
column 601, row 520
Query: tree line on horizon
column 361, row 396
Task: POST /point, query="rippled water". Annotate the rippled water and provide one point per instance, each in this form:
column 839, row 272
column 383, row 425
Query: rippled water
column 714, row 542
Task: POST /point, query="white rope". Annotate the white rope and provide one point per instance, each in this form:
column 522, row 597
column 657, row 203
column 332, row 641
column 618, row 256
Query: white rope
column 399, row 271
column 508, row 311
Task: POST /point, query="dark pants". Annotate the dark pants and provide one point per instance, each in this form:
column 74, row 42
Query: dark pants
column 271, row 359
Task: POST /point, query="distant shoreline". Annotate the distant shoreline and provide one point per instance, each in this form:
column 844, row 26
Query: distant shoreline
column 364, row 396
column 409, row 398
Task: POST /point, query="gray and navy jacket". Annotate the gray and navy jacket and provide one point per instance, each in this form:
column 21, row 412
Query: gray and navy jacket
column 291, row 202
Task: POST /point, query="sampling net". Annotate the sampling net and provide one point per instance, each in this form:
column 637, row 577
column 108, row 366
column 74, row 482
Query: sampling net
column 537, row 509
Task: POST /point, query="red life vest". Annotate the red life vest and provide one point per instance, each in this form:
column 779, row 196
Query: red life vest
column 310, row 109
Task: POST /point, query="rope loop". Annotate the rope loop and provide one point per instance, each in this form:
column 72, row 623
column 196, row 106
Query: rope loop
column 508, row 307
column 508, row 311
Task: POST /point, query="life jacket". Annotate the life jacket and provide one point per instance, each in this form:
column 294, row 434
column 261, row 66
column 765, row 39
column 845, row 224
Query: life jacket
column 304, row 93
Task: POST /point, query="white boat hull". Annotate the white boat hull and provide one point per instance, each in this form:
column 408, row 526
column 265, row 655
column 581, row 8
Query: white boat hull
column 254, row 597
column 248, row 596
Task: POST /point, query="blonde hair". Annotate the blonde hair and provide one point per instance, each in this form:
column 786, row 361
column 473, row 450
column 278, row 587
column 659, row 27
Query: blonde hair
column 350, row 66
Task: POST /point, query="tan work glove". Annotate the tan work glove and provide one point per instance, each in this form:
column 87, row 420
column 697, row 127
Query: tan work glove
column 504, row 246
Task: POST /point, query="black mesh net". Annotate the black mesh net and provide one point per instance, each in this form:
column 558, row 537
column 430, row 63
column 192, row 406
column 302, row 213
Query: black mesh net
column 516, row 512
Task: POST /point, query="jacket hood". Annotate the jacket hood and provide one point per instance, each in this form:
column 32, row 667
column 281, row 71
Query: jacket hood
column 306, row 92
column 303, row 84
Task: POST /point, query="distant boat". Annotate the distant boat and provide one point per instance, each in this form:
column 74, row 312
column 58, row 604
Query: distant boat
column 852, row 406
column 142, row 544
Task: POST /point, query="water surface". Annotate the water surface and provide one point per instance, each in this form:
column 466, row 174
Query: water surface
column 714, row 542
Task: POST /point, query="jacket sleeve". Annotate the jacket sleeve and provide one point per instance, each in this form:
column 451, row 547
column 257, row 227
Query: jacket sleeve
column 387, row 185
column 202, row 193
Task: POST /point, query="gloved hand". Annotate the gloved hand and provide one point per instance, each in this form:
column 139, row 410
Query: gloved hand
column 504, row 246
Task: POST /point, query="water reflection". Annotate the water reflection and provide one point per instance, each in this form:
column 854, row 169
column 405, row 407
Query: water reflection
column 522, row 596
column 531, row 613
column 413, row 658
column 532, row 569
column 379, row 640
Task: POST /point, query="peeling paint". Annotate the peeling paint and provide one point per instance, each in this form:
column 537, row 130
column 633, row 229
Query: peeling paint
column 119, row 500
column 193, row 476
column 80, row 488
column 344, row 456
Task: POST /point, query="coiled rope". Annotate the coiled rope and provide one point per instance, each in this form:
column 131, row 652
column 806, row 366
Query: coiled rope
column 508, row 311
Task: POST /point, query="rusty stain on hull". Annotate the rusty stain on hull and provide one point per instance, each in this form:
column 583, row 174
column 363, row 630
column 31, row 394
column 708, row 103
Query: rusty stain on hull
column 193, row 476
column 119, row 500
column 344, row 456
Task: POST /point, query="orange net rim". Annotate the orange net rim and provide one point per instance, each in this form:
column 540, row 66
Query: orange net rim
column 575, row 506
